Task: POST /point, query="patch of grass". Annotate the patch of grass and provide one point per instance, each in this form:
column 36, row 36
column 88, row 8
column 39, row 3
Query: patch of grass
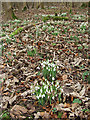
column 32, row 53
column 86, row 75
column 5, row 116
column 60, row 114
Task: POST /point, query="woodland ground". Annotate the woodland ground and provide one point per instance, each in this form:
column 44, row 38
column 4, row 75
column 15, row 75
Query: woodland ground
column 28, row 42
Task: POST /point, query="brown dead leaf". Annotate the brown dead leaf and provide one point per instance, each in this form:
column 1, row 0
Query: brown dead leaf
column 64, row 77
column 6, row 93
column 17, row 112
column 64, row 115
column 46, row 115
column 72, row 98
column 24, row 100
column 10, row 76
column 66, row 105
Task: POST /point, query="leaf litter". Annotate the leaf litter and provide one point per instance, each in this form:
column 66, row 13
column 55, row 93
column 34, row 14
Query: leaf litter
column 22, row 55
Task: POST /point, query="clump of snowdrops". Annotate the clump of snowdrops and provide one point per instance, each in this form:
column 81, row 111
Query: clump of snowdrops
column 47, row 91
column 49, row 70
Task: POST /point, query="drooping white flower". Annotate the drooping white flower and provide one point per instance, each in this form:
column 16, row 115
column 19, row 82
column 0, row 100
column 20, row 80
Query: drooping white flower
column 43, row 95
column 31, row 87
column 43, row 66
column 40, row 95
column 41, row 90
column 36, row 88
column 49, row 91
column 38, row 68
column 53, row 97
column 37, row 97
column 53, row 78
column 48, row 97
column 54, row 69
column 51, row 88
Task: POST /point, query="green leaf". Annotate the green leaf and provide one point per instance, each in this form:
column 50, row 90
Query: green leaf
column 77, row 101
column 80, row 47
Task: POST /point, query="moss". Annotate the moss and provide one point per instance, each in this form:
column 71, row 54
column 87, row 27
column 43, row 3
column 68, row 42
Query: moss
column 16, row 31
column 46, row 18
column 54, row 18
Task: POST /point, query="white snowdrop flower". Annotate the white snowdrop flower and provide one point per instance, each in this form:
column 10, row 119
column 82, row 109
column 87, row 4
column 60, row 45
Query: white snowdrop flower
column 37, row 97
column 61, row 89
column 43, row 66
column 49, row 64
column 45, row 87
column 48, row 97
column 43, row 83
column 31, row 87
column 48, row 69
column 53, row 97
column 50, row 75
column 43, row 95
column 14, row 53
column 53, row 78
column 49, row 91
column 41, row 90
column 57, row 67
column 40, row 95
column 36, row 88
column 56, row 95
column 45, row 79
column 37, row 84
column 7, row 36
column 31, row 91
column 56, row 85
column 38, row 68
column 47, row 82
column 54, row 69
column 52, row 83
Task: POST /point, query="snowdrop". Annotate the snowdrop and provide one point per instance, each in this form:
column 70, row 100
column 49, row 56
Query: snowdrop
column 36, row 88
column 40, row 95
column 43, row 95
column 41, row 90
column 53, row 97
column 38, row 68
column 54, row 69
column 53, row 78
column 37, row 97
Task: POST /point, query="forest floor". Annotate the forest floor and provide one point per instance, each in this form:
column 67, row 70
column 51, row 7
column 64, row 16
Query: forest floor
column 44, row 66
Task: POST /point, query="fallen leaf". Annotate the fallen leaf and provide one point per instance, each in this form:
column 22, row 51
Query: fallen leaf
column 17, row 112
column 64, row 115
column 64, row 77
